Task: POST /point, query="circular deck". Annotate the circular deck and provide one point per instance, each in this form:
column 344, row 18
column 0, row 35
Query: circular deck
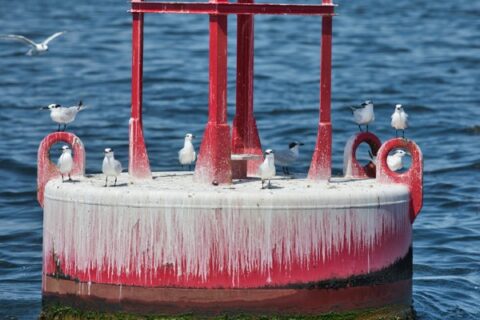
column 171, row 187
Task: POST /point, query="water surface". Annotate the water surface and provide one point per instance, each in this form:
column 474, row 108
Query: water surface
column 423, row 54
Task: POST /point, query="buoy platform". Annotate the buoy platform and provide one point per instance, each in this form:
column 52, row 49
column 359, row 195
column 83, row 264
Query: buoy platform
column 174, row 246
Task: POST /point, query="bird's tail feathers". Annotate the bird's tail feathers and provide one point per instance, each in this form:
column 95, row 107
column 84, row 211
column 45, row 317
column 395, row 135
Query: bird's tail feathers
column 81, row 106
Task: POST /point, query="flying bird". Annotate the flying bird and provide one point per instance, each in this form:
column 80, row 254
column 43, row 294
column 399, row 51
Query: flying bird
column 65, row 162
column 63, row 115
column 364, row 114
column 36, row 48
column 110, row 166
column 187, row 155
column 286, row 158
column 399, row 120
column 395, row 161
column 267, row 168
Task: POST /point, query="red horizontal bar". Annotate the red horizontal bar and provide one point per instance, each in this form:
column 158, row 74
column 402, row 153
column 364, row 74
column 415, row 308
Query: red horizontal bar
column 231, row 8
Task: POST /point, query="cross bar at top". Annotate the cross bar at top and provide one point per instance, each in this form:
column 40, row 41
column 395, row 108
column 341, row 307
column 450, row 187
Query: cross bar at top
column 231, row 8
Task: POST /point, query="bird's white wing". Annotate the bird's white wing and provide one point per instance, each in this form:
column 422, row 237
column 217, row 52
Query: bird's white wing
column 118, row 166
column 71, row 111
column 284, row 158
column 53, row 36
column 18, row 38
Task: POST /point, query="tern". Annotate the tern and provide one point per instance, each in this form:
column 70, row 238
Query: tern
column 267, row 168
column 288, row 157
column 37, row 48
column 364, row 114
column 399, row 120
column 64, row 115
column 187, row 155
column 65, row 162
column 110, row 166
column 395, row 161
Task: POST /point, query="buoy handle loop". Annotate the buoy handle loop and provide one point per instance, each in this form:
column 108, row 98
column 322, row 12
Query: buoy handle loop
column 413, row 177
column 47, row 170
column 351, row 167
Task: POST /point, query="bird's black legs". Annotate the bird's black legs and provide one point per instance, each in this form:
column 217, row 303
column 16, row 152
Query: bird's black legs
column 69, row 178
column 115, row 183
column 62, row 177
column 58, row 128
column 288, row 170
column 360, row 128
column 403, row 134
column 269, row 184
column 367, row 127
column 396, row 133
column 106, row 181
column 64, row 127
column 262, row 184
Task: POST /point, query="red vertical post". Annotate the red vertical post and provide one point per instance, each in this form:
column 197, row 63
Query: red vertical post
column 321, row 166
column 245, row 137
column 214, row 160
column 138, row 166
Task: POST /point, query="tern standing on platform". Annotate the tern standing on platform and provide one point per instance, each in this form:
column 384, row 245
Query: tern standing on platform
column 111, row 167
column 187, row 155
column 267, row 168
column 288, row 157
column 65, row 162
column 395, row 161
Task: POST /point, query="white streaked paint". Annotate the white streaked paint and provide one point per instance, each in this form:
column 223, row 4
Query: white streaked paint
column 247, row 226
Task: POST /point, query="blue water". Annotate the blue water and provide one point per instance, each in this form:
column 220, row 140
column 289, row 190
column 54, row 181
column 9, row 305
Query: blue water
column 423, row 54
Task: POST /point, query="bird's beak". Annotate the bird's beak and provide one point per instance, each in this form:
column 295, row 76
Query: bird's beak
column 44, row 108
column 193, row 136
column 301, row 144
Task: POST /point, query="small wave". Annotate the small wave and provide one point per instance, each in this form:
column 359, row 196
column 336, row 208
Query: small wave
column 474, row 130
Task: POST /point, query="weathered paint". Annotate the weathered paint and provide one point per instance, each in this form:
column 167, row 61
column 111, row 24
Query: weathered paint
column 390, row 300
column 413, row 177
column 47, row 170
column 175, row 233
column 138, row 164
column 245, row 138
column 222, row 7
column 214, row 163
column 351, row 167
column 321, row 165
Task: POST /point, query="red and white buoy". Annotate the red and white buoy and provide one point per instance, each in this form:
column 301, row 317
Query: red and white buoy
column 178, row 244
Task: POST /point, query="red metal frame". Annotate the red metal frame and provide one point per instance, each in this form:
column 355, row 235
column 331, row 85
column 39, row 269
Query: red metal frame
column 321, row 166
column 214, row 164
column 138, row 165
column 223, row 7
column 245, row 138
column 214, row 161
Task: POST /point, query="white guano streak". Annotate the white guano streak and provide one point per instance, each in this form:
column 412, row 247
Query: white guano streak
column 185, row 233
